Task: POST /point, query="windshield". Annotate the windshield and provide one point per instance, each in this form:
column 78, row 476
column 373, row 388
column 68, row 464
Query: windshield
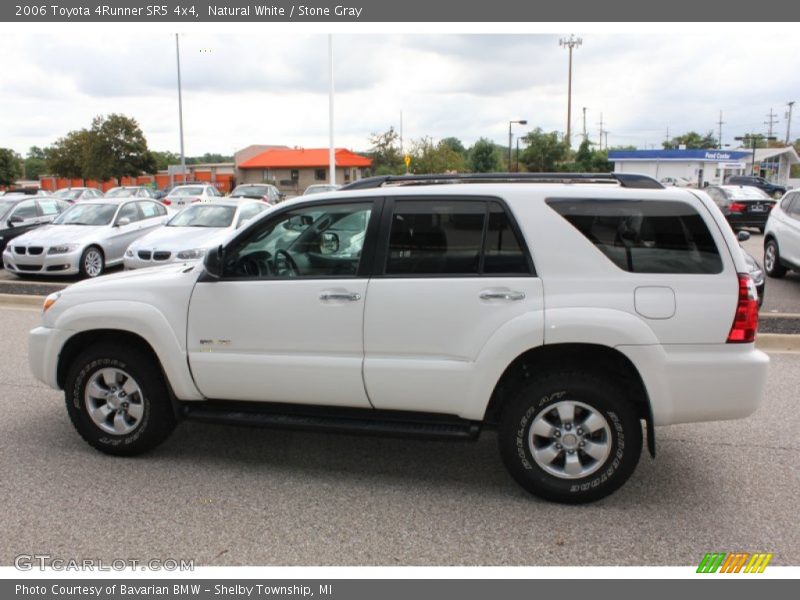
column 67, row 194
column 87, row 214
column 209, row 215
column 187, row 191
column 251, row 190
column 318, row 189
column 5, row 208
column 746, row 193
column 122, row 193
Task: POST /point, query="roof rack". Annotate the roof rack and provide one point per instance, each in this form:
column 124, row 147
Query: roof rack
column 628, row 180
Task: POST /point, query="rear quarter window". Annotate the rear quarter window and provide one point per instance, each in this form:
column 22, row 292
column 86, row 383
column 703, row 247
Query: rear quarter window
column 644, row 236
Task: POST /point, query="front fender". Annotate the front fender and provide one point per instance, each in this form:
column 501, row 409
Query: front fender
column 143, row 320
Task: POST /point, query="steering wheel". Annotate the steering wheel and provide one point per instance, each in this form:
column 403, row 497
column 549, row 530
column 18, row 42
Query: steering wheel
column 255, row 264
column 284, row 264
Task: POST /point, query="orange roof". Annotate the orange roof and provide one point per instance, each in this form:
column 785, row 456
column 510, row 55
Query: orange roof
column 304, row 157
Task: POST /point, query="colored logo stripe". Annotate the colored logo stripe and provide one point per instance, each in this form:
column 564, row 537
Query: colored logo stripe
column 734, row 562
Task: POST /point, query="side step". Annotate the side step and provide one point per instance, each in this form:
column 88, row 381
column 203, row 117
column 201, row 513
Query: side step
column 332, row 419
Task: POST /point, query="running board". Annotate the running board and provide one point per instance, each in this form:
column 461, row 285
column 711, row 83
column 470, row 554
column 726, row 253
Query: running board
column 344, row 420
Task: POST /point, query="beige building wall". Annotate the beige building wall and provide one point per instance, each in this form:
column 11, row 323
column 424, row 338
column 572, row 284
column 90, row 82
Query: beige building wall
column 306, row 177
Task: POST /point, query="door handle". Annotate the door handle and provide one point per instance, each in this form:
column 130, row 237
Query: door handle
column 509, row 295
column 348, row 296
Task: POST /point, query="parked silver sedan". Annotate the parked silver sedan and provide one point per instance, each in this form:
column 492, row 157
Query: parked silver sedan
column 189, row 233
column 84, row 239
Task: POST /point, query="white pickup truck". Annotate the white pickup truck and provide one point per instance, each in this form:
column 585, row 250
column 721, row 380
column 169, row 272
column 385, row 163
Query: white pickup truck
column 564, row 311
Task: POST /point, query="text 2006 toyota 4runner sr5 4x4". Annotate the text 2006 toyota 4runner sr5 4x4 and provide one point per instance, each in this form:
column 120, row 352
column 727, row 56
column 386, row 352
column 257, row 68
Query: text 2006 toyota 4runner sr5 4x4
column 562, row 310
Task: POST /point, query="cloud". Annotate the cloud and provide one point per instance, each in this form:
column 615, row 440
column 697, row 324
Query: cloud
column 272, row 88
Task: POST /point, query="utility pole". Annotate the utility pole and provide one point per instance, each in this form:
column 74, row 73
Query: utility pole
column 605, row 133
column 180, row 108
column 585, row 135
column 331, row 151
column 602, row 131
column 772, row 121
column 789, row 123
column 720, row 123
column 666, row 138
column 570, row 44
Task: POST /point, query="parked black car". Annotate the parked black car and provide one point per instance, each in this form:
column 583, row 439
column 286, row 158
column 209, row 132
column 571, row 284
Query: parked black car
column 20, row 214
column 776, row 191
column 743, row 206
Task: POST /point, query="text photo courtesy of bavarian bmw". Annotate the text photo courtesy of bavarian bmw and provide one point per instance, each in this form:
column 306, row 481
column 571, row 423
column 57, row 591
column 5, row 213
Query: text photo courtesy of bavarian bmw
column 569, row 313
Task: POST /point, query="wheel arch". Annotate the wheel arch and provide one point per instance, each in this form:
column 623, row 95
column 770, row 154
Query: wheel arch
column 594, row 358
column 85, row 339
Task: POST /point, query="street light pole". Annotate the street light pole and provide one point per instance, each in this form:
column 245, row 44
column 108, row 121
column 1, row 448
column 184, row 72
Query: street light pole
column 789, row 122
column 180, row 108
column 570, row 44
column 331, row 150
column 520, row 122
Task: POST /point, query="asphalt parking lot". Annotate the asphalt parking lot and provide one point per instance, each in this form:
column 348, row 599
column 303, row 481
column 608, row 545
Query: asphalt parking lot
column 238, row 496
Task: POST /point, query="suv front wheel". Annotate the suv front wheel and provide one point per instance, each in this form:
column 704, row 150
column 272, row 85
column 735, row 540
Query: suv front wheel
column 570, row 437
column 117, row 400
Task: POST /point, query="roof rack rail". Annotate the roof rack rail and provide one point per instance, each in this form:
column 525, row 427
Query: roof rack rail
column 629, row 180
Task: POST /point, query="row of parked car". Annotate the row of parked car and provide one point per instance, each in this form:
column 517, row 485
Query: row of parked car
column 48, row 236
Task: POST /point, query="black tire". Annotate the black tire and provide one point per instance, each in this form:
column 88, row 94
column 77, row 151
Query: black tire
column 157, row 418
column 772, row 265
column 90, row 274
column 538, row 397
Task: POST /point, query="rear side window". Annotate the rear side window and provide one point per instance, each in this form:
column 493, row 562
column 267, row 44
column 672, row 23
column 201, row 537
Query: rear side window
column 644, row 236
column 453, row 237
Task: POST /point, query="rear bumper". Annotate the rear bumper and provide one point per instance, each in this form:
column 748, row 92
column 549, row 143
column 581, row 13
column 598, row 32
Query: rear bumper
column 691, row 383
column 747, row 219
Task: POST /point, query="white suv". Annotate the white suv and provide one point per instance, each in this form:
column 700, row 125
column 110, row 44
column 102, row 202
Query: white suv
column 563, row 311
column 782, row 237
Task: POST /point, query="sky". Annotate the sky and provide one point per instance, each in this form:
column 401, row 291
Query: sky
column 267, row 88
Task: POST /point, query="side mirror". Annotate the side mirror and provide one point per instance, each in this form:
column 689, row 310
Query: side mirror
column 743, row 236
column 329, row 244
column 214, row 261
column 14, row 221
column 123, row 221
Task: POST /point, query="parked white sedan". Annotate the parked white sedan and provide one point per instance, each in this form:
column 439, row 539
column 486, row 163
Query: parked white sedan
column 85, row 239
column 184, row 195
column 188, row 234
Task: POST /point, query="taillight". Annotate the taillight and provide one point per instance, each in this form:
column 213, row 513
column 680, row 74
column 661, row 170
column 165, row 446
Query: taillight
column 737, row 207
column 745, row 322
column 166, row 201
column 265, row 199
column 195, row 200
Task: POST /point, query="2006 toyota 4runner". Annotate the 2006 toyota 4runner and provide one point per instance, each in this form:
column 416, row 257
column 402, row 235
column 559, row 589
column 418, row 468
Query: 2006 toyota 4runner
column 564, row 311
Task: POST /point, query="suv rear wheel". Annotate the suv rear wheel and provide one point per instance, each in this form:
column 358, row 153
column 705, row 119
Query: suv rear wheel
column 772, row 260
column 117, row 400
column 570, row 437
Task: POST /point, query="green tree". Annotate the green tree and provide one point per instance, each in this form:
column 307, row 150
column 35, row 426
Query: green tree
column 10, row 166
column 35, row 163
column 384, row 151
column 65, row 157
column 427, row 157
column 692, row 140
column 164, row 159
column 484, row 157
column 590, row 160
column 543, row 152
column 116, row 147
column 455, row 145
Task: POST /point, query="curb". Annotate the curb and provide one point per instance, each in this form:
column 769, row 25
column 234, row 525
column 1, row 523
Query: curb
column 778, row 342
column 26, row 300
